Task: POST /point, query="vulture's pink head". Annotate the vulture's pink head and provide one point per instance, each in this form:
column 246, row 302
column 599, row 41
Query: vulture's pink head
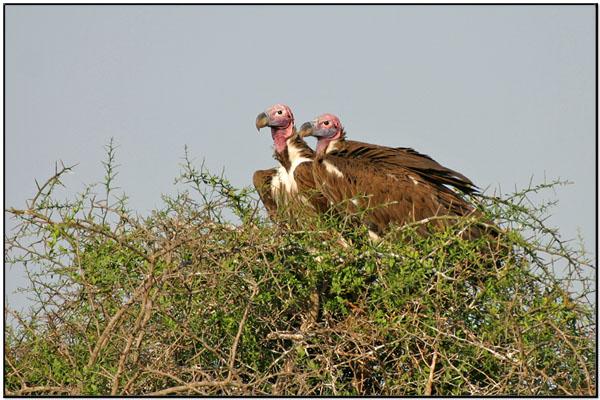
column 325, row 128
column 281, row 121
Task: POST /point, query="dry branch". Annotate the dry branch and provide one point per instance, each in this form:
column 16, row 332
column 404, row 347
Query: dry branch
column 185, row 302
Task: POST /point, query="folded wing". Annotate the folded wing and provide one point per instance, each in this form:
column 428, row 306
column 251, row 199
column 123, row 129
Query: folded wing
column 382, row 198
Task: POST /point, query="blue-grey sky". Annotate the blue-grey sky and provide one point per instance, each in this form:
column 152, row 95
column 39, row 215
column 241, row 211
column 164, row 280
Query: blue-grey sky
column 499, row 93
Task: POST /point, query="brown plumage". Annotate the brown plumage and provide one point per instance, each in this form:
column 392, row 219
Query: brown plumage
column 404, row 158
column 394, row 185
column 353, row 185
column 292, row 183
column 262, row 180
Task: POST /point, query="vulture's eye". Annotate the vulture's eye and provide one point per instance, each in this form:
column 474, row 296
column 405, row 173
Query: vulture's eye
column 326, row 123
column 279, row 112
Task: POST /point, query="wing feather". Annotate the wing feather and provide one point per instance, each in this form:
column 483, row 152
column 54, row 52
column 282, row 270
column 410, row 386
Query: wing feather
column 262, row 180
column 303, row 174
column 388, row 198
column 403, row 158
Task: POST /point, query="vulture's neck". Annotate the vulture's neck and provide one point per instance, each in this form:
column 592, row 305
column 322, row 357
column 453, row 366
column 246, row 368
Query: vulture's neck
column 294, row 149
column 336, row 143
column 281, row 135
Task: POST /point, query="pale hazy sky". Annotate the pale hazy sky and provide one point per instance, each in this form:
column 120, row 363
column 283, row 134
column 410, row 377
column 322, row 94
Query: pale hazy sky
column 499, row 93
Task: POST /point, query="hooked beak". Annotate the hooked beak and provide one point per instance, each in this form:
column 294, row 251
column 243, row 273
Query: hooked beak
column 307, row 129
column 262, row 120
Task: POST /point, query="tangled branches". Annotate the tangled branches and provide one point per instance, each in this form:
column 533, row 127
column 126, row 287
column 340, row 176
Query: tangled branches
column 183, row 302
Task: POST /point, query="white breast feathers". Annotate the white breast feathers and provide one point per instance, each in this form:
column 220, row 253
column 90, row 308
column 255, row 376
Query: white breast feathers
column 284, row 181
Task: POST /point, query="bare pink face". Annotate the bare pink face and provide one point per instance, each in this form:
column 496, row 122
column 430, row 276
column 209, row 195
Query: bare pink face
column 281, row 121
column 280, row 116
column 325, row 128
column 327, row 125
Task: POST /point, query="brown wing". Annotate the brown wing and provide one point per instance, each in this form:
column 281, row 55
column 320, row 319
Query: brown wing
column 400, row 198
column 406, row 158
column 303, row 174
column 262, row 182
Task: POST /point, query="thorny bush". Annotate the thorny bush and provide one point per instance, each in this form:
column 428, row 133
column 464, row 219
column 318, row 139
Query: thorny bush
column 186, row 302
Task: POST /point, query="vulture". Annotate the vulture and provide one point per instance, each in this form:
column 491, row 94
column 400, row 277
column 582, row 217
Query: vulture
column 334, row 142
column 292, row 182
column 391, row 185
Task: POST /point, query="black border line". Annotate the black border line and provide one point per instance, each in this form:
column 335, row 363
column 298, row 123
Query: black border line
column 300, row 4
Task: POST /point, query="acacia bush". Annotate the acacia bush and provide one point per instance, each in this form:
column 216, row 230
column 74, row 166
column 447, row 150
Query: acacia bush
column 205, row 296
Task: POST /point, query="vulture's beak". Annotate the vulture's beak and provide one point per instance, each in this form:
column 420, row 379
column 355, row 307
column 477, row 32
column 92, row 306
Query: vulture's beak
column 306, row 129
column 261, row 121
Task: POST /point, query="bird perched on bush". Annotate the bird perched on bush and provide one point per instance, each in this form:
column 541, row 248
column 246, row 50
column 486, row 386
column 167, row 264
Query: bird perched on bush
column 333, row 141
column 292, row 182
column 394, row 185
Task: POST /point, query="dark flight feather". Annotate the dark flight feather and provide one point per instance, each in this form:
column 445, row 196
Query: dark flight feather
column 402, row 158
column 394, row 195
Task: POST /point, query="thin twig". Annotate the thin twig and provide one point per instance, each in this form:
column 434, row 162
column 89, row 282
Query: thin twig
column 429, row 383
column 236, row 341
